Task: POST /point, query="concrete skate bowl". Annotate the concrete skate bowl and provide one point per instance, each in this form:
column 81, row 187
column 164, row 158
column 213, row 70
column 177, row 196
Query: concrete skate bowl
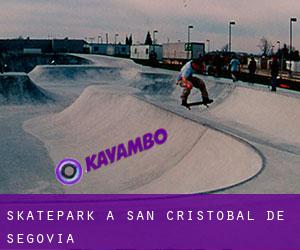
column 272, row 116
column 154, row 83
column 17, row 88
column 194, row 159
column 110, row 61
column 74, row 74
column 20, row 62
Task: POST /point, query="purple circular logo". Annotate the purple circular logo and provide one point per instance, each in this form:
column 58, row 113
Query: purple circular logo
column 68, row 171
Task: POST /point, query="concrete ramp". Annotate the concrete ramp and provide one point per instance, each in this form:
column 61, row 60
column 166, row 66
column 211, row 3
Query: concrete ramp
column 154, row 83
column 147, row 82
column 17, row 88
column 194, row 159
column 109, row 61
column 271, row 115
column 75, row 74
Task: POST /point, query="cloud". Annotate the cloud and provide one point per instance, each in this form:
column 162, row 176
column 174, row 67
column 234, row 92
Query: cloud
column 88, row 18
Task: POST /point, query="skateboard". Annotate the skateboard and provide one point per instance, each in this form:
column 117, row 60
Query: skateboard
column 189, row 105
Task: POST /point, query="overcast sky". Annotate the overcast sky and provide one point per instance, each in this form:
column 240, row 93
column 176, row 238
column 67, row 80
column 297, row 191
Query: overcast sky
column 90, row 18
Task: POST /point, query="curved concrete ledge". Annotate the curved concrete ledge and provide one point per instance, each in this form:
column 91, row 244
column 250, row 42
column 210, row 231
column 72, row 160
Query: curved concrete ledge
column 73, row 73
column 17, row 88
column 268, row 114
column 194, row 159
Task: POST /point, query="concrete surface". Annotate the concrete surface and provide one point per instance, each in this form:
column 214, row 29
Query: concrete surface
column 246, row 142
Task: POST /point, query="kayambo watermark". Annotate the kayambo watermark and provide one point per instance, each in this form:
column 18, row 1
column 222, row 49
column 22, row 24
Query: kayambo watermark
column 69, row 171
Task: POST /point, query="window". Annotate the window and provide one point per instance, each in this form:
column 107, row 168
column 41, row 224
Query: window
column 147, row 51
column 135, row 51
column 123, row 49
column 96, row 49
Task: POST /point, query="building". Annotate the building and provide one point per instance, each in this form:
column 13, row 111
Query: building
column 146, row 52
column 68, row 45
column 178, row 52
column 120, row 50
column 295, row 66
column 42, row 45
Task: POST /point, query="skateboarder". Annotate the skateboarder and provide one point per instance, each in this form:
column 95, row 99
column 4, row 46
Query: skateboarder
column 187, row 81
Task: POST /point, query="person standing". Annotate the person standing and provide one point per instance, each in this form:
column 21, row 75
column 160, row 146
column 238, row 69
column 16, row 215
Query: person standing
column 252, row 69
column 218, row 65
column 274, row 73
column 235, row 68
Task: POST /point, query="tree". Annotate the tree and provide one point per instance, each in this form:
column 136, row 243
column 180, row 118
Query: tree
column 148, row 40
column 265, row 46
column 130, row 40
column 225, row 48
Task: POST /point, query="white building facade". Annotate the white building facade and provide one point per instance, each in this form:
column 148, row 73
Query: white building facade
column 121, row 50
column 146, row 52
column 178, row 52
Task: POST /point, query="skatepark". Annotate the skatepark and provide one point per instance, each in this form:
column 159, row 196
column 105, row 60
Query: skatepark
column 247, row 141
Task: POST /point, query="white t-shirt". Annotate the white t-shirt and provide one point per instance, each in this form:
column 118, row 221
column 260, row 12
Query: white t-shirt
column 187, row 71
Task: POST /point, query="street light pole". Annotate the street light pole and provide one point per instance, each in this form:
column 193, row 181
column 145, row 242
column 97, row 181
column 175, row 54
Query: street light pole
column 189, row 39
column 116, row 35
column 281, row 57
column 154, row 41
column 208, row 45
column 106, row 35
column 292, row 19
column 154, row 32
column 229, row 43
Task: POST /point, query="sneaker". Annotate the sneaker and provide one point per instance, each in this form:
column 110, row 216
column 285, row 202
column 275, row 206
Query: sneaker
column 184, row 103
column 206, row 100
